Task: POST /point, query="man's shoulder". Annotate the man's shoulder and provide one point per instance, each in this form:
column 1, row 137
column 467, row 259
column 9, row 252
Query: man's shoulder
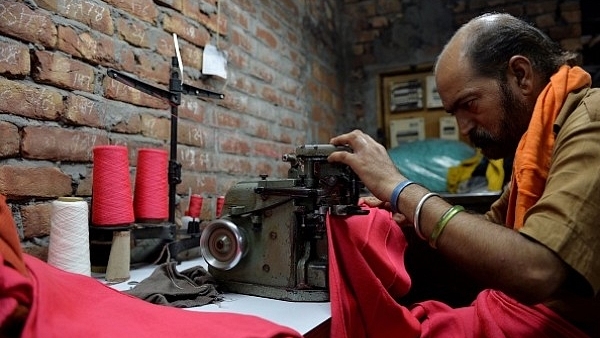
column 591, row 102
column 578, row 104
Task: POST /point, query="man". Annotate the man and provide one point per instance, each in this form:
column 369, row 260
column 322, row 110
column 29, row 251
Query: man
column 512, row 91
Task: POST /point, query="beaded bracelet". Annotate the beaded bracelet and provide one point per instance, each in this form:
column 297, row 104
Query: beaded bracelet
column 441, row 224
column 418, row 214
column 396, row 194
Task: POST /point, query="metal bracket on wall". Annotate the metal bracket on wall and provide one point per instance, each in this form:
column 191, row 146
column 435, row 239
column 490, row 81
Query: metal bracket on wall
column 173, row 97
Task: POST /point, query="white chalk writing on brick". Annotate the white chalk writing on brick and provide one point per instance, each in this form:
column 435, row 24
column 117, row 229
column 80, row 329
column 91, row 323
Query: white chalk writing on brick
column 8, row 54
column 82, row 80
column 85, row 9
column 23, row 20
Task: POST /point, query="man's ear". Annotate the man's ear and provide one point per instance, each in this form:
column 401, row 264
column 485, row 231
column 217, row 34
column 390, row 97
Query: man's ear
column 521, row 71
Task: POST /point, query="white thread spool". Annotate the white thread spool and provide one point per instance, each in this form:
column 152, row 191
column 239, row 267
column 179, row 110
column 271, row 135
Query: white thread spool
column 69, row 247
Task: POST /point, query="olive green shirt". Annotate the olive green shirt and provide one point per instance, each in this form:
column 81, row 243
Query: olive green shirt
column 566, row 219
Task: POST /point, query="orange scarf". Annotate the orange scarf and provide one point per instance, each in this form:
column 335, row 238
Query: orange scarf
column 533, row 156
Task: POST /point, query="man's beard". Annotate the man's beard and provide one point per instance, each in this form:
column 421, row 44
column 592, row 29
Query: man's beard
column 513, row 124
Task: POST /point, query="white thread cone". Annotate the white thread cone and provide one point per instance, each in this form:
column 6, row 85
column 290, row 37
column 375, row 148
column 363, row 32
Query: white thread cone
column 69, row 247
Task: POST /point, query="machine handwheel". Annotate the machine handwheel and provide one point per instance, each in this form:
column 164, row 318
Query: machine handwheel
column 222, row 244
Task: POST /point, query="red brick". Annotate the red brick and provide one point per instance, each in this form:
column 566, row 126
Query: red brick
column 193, row 134
column 14, row 59
column 125, row 123
column 271, row 95
column 266, row 168
column 54, row 69
column 233, row 144
column 270, row 21
column 186, row 30
column 240, row 40
column 262, row 72
column 38, row 103
column 156, row 127
column 266, row 149
column 9, row 134
column 92, row 14
column 175, row 4
column 59, row 144
column 18, row 20
column 570, row 5
column 164, row 44
column 191, row 56
column 200, row 183
column 239, row 17
column 540, row 7
column 36, row 219
column 153, row 68
column 229, row 120
column 133, row 32
column 84, row 186
column 204, row 16
column 83, row 112
column 126, row 59
column 196, row 160
column 192, row 108
column 235, row 165
column 379, row 22
column 47, row 182
column 571, row 16
column 143, row 9
column 222, row 25
column 244, row 84
column 97, row 49
column 260, row 129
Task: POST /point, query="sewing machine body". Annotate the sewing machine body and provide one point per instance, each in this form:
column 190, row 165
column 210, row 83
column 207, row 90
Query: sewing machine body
column 272, row 239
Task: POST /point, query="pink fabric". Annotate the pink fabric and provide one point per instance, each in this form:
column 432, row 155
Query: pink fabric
column 492, row 314
column 72, row 305
column 367, row 277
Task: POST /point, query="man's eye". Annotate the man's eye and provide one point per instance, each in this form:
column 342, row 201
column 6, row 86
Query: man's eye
column 468, row 105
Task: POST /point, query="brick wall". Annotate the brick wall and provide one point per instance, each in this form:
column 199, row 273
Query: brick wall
column 387, row 36
column 57, row 103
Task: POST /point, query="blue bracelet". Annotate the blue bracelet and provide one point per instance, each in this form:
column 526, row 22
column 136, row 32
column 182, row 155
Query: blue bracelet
column 396, row 194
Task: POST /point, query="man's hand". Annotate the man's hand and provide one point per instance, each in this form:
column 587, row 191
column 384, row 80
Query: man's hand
column 374, row 202
column 370, row 161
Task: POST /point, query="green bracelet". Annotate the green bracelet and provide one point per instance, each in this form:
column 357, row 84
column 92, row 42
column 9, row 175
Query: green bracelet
column 441, row 224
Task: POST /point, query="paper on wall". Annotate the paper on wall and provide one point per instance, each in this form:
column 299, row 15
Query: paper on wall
column 214, row 62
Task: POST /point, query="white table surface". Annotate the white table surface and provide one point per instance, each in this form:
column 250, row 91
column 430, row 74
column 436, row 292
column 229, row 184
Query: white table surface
column 301, row 316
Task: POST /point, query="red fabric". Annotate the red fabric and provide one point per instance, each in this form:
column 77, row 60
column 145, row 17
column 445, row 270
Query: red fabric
column 10, row 246
column 72, row 305
column 367, row 276
column 492, row 314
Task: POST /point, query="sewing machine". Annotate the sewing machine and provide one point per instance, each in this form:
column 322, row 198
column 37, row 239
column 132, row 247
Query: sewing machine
column 272, row 239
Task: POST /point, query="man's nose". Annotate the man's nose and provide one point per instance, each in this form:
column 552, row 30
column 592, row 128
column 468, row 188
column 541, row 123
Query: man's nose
column 464, row 124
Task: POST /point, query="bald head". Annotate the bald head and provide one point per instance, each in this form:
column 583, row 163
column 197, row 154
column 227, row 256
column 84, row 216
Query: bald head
column 487, row 43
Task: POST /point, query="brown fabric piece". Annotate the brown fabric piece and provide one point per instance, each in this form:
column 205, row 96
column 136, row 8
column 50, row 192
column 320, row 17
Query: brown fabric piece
column 10, row 245
column 167, row 286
